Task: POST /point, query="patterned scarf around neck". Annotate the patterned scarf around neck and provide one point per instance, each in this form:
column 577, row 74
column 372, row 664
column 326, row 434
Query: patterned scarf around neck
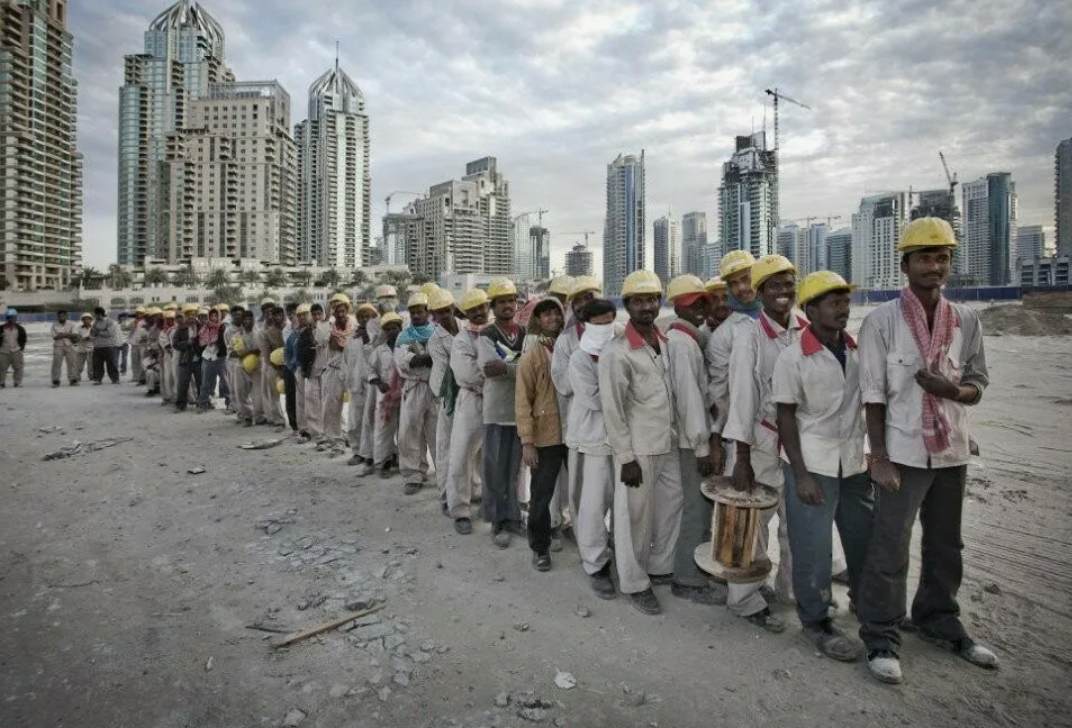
column 933, row 348
column 748, row 309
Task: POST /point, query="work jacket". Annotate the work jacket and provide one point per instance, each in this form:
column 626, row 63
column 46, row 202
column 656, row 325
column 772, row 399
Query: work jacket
column 587, row 431
column 536, row 401
column 719, row 349
column 439, row 349
column 463, row 362
column 568, row 342
column 685, row 347
column 61, row 336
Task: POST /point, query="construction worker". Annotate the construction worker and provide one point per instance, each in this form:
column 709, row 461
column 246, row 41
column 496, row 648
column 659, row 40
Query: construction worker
column 232, row 327
column 64, row 339
column 636, row 392
column 151, row 354
column 187, row 349
column 357, row 371
column 84, row 346
column 816, row 387
column 245, row 347
column 384, row 377
column 584, row 290
column 467, row 433
column 751, row 422
column 718, row 303
column 921, row 364
column 309, row 354
column 122, row 348
column 441, row 382
column 295, row 392
column 106, row 338
column 417, row 424
column 213, row 348
column 12, row 346
column 332, row 338
column 136, row 342
column 270, row 338
column 167, row 363
column 687, row 340
column 386, row 302
column 560, row 288
column 588, row 436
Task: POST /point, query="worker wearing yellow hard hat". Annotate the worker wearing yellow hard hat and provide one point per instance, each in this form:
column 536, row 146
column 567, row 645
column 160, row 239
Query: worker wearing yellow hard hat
column 429, row 288
column 418, row 412
column 561, row 287
column 171, row 307
column 472, row 299
column 270, row 338
column 245, row 384
column 386, row 291
column 718, row 303
column 386, row 396
column 927, row 232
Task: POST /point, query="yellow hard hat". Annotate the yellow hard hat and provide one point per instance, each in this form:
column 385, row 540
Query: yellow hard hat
column 367, row 307
column 346, row 397
column 87, row 315
column 734, row 262
column 561, row 286
column 927, row 232
column 191, row 308
column 251, row 362
column 585, row 284
column 281, row 386
column 641, row 283
column 440, row 299
column 683, row 286
column 472, row 299
column 168, row 314
column 141, row 310
column 171, row 307
column 501, row 288
column 339, row 298
column 819, row 284
column 768, row 266
column 386, row 291
column 429, row 288
column 202, row 311
column 277, row 357
column 303, row 308
column 223, row 308
column 390, row 318
column 417, row 299
column 716, row 284
column 238, row 345
column 153, row 311
column 267, row 301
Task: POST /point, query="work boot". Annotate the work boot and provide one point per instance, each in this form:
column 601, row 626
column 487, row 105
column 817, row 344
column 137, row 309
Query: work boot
column 74, row 382
column 767, row 621
column 660, row 579
column 541, row 562
column 247, row 423
column 463, row 526
column 885, row 667
column 261, row 421
column 500, row 536
column 966, row 649
column 699, row 594
column 55, row 384
column 602, row 584
column 832, row 642
column 645, row 602
column 355, row 460
column 412, row 488
column 364, row 469
column 556, row 540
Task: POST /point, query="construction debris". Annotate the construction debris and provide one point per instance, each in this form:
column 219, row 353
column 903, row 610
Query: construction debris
column 84, row 448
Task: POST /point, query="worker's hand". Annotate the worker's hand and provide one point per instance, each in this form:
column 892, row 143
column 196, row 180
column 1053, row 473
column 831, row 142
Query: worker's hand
column 532, row 458
column 937, row 384
column 632, row 475
column 703, row 465
column 717, row 456
column 885, row 475
column 808, row 490
column 744, row 478
column 495, row 369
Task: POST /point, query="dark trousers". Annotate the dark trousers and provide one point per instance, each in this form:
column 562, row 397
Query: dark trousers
column 937, row 495
column 502, row 465
column 695, row 523
column 105, row 357
column 212, row 372
column 291, row 398
column 186, row 373
column 541, row 491
column 122, row 353
column 848, row 502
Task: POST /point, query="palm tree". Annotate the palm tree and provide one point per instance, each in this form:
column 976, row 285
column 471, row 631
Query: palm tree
column 251, row 277
column 303, row 278
column 297, row 297
column 359, row 279
column 89, row 276
column 231, row 295
column 329, row 278
column 420, row 279
column 276, row 278
column 218, row 278
column 118, row 278
column 156, row 277
column 185, row 277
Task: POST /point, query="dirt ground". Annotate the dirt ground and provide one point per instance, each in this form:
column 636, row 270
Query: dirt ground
column 128, row 586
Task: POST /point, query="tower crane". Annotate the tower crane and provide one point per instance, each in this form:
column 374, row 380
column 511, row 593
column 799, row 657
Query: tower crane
column 400, row 192
column 807, row 220
column 952, row 178
column 585, row 233
column 780, row 96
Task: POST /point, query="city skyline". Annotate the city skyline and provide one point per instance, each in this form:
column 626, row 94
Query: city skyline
column 556, row 155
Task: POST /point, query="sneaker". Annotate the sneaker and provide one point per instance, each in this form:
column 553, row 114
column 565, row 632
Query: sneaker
column 541, row 562
column 463, row 526
column 885, row 666
column 767, row 621
column 602, row 584
column 412, row 488
column 556, row 540
column 966, row 649
column 500, row 536
column 645, row 602
column 832, row 642
column 699, row 594
column 660, row 579
column 355, row 460
column 3, row 385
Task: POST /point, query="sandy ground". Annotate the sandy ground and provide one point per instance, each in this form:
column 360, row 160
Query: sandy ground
column 127, row 586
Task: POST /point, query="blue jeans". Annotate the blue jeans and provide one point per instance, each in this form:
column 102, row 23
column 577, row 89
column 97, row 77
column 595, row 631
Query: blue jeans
column 848, row 502
column 211, row 371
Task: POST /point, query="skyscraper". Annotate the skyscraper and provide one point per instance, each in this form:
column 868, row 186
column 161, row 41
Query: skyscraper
column 748, row 197
column 693, row 239
column 40, row 165
column 1030, row 242
column 579, row 261
column 989, row 229
column 876, row 230
column 667, row 248
column 461, row 226
column 540, row 242
column 1062, row 197
column 623, row 230
column 788, row 241
column 839, row 252
column 334, row 183
column 183, row 56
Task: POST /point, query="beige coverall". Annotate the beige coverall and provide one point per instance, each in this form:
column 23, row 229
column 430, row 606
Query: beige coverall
column 382, row 367
column 417, row 421
column 463, row 464
column 439, row 349
column 331, row 373
column 63, row 350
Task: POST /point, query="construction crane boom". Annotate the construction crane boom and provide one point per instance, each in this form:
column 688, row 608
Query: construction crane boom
column 585, row 233
column 387, row 202
column 951, row 178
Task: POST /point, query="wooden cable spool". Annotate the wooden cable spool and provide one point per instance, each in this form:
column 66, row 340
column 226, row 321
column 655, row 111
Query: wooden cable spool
column 735, row 524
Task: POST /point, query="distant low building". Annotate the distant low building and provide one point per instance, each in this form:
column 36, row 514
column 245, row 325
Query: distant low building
column 1044, row 272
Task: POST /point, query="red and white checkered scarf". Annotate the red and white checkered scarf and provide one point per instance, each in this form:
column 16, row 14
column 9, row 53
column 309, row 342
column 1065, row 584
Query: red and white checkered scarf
column 933, row 347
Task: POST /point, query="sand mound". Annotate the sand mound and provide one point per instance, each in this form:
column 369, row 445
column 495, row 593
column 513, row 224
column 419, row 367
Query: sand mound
column 1014, row 320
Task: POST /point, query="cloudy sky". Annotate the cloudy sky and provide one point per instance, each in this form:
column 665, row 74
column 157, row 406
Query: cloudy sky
column 557, row 88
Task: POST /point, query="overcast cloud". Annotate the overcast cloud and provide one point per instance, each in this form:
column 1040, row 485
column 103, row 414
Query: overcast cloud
column 557, row 88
